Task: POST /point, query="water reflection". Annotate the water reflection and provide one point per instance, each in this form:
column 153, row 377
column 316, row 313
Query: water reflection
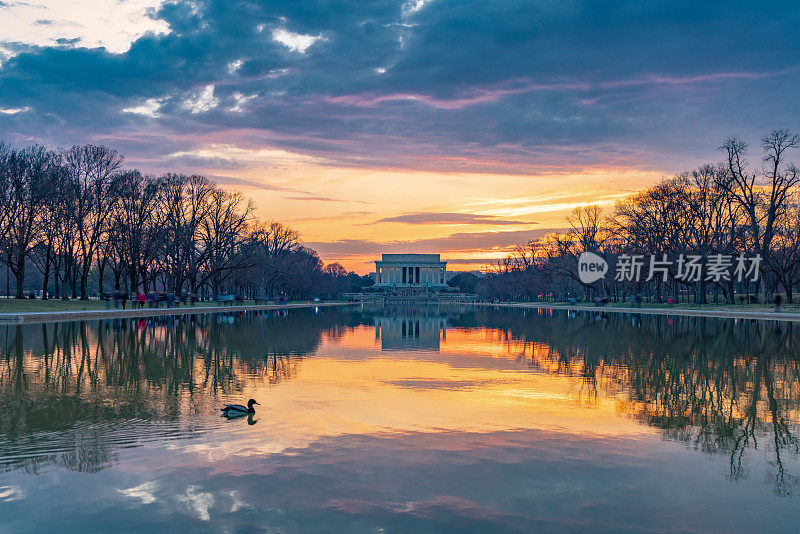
column 405, row 326
column 404, row 418
column 73, row 393
column 719, row 386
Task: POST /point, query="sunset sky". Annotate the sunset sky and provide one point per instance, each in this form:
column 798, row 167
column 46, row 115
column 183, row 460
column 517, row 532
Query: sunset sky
column 456, row 127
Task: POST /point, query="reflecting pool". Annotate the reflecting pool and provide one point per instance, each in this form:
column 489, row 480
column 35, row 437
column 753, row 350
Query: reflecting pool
column 401, row 419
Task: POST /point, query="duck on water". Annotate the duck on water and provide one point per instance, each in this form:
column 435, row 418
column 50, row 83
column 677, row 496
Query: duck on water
column 235, row 410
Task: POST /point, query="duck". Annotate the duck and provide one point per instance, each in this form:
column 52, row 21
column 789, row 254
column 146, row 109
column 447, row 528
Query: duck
column 235, row 410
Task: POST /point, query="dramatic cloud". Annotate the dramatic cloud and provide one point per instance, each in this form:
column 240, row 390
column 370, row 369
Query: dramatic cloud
column 317, row 198
column 295, row 41
column 461, row 242
column 528, row 87
column 14, row 111
column 112, row 24
column 293, row 95
column 449, row 218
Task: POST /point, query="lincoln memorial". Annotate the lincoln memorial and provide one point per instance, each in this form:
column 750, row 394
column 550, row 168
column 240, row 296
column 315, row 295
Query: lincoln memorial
column 410, row 271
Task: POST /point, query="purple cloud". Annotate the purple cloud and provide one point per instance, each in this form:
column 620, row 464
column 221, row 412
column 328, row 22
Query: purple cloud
column 449, row 218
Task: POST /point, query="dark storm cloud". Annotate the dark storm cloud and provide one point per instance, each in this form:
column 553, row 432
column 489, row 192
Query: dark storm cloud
column 481, row 86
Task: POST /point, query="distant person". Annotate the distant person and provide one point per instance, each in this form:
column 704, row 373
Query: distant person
column 778, row 300
column 123, row 297
column 170, row 299
column 141, row 298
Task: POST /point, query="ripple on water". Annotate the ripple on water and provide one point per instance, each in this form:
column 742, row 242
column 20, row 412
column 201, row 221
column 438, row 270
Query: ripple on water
column 92, row 446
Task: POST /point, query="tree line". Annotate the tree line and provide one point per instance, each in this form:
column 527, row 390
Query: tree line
column 89, row 225
column 717, row 214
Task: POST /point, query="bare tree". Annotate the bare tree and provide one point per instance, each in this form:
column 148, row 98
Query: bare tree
column 54, row 220
column 76, row 214
column 727, row 209
column 186, row 206
column 92, row 168
column 221, row 233
column 136, row 233
column 32, row 174
column 761, row 194
column 7, row 155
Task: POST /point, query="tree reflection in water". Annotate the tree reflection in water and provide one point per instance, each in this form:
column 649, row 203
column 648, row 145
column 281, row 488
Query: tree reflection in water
column 719, row 386
column 73, row 393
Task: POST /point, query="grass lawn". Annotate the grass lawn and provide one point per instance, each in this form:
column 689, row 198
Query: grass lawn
column 30, row 305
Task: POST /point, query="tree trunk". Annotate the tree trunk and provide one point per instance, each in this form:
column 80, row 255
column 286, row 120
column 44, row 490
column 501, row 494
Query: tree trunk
column 20, row 274
column 45, row 280
column 100, row 272
column 84, row 280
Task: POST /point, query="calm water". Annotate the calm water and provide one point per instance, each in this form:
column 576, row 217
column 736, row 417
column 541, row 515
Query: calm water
column 400, row 420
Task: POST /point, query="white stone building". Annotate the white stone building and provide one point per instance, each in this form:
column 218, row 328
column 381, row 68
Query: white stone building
column 411, row 271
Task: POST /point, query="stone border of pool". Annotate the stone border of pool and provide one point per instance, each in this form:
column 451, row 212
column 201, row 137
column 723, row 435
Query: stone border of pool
column 718, row 314
column 84, row 315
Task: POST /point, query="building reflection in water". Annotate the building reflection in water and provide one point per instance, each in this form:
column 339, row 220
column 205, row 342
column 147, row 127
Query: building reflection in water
column 72, row 394
column 411, row 327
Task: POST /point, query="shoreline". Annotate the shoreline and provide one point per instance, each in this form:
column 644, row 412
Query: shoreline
column 717, row 314
column 10, row 318
column 88, row 315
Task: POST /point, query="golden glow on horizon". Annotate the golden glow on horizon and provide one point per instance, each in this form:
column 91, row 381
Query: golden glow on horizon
column 351, row 387
column 328, row 203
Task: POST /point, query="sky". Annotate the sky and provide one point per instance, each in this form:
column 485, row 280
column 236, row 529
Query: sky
column 453, row 127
